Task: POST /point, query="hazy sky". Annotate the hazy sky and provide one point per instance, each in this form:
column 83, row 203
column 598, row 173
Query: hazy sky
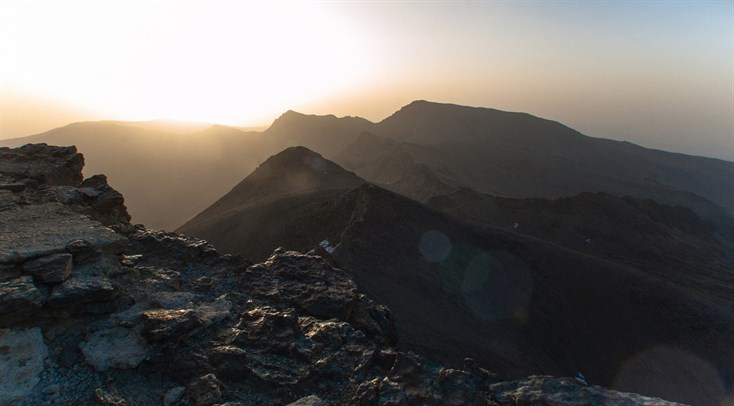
column 656, row 73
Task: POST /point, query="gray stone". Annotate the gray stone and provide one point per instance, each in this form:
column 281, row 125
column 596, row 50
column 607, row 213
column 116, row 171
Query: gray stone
column 83, row 251
column 563, row 391
column 118, row 348
column 169, row 324
column 173, row 396
column 37, row 230
column 312, row 400
column 20, row 297
column 205, row 391
column 81, row 289
column 54, row 268
column 22, row 357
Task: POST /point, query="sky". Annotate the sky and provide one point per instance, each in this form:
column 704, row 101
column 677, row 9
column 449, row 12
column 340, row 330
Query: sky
column 657, row 73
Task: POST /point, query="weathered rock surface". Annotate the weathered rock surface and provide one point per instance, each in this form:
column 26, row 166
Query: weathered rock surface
column 114, row 348
column 43, row 164
column 22, row 357
column 548, row 390
column 81, row 289
column 19, row 299
column 149, row 317
column 54, row 268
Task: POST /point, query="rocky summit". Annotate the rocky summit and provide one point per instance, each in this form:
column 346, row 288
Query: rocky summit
column 94, row 310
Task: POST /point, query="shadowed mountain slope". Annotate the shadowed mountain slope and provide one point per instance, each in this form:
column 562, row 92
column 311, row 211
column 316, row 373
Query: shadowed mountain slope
column 279, row 204
column 516, row 302
column 672, row 243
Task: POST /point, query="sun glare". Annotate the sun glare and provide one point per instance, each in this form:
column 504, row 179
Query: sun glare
column 226, row 63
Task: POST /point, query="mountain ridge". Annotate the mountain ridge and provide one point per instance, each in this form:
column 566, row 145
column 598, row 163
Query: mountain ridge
column 527, row 298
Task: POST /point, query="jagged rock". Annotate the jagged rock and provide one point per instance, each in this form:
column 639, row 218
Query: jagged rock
column 82, row 251
column 311, row 400
column 20, row 298
column 173, row 396
column 205, row 391
column 108, row 205
column 307, row 283
column 54, row 268
column 374, row 319
column 548, row 390
column 81, row 289
column 22, row 357
column 216, row 311
column 268, row 328
column 42, row 163
column 109, row 399
column 114, row 348
column 168, row 324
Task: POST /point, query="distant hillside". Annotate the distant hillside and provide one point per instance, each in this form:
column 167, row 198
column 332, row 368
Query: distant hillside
column 166, row 177
column 519, row 303
column 519, row 155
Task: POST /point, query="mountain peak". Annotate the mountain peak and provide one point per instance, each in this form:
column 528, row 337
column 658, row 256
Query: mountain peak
column 297, row 158
column 293, row 171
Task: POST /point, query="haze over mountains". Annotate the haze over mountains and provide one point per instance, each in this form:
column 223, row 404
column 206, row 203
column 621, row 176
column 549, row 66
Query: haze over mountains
column 424, row 150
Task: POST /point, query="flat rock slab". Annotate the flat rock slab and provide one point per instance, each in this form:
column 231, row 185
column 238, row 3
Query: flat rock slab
column 81, row 289
column 115, row 348
column 38, row 230
column 22, row 357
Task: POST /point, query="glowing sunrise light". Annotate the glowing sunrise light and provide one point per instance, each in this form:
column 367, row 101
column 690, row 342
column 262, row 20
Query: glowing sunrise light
column 227, row 62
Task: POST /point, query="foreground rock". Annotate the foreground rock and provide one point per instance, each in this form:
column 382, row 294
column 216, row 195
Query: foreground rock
column 22, row 357
column 124, row 315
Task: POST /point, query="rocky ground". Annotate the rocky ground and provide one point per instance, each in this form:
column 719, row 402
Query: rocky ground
column 94, row 310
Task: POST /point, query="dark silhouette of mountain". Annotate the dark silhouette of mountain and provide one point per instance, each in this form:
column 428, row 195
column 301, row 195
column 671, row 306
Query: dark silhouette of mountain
column 520, row 303
column 297, row 187
column 166, row 177
column 519, row 155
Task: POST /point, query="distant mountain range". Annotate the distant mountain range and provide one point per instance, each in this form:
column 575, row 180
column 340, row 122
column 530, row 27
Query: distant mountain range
column 588, row 283
column 502, row 236
column 424, row 150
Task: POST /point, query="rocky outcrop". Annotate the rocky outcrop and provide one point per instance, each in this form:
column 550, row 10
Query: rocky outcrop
column 149, row 317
